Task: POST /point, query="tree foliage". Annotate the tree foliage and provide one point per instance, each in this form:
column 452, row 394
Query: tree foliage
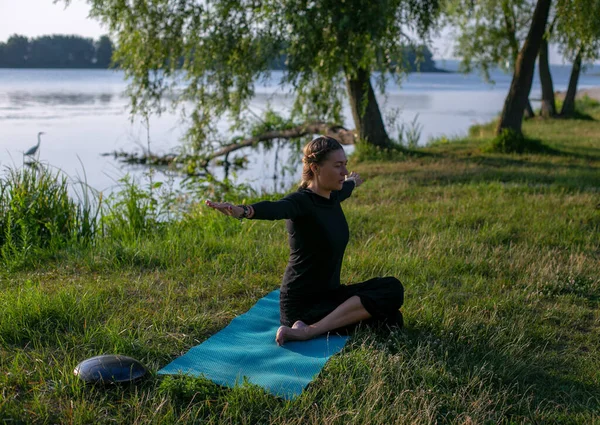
column 578, row 29
column 489, row 33
column 210, row 54
column 578, row 36
column 327, row 37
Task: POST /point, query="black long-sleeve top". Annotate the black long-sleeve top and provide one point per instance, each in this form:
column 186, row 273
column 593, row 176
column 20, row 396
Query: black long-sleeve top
column 318, row 235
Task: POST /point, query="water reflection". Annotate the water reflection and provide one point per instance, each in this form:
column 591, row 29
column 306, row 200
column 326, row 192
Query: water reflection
column 24, row 99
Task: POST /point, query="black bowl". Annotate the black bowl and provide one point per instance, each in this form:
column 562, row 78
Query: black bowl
column 110, row 368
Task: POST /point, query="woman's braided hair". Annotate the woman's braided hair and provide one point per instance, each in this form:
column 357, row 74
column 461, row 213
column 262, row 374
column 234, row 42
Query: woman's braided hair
column 315, row 152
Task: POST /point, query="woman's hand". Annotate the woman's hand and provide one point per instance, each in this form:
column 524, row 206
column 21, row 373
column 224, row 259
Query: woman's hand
column 226, row 208
column 355, row 177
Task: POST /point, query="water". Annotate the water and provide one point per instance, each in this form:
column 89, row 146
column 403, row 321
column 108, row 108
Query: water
column 84, row 113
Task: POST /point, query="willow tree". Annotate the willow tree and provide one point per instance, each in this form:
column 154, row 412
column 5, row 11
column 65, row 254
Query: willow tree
column 489, row 34
column 209, row 54
column 575, row 30
column 578, row 35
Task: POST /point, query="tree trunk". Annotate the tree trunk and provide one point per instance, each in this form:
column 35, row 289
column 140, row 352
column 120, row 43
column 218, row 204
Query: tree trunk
column 528, row 110
column 516, row 100
column 568, row 107
column 548, row 102
column 509, row 22
column 367, row 117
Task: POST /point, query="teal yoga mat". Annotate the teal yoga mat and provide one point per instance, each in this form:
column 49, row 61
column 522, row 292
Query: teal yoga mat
column 246, row 348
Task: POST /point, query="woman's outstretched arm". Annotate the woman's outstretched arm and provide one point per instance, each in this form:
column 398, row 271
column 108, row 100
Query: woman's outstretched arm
column 231, row 210
column 353, row 180
column 290, row 207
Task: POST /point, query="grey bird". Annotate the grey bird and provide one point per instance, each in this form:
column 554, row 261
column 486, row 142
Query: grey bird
column 32, row 151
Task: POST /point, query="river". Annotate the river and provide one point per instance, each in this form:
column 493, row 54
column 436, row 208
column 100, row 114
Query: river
column 84, row 113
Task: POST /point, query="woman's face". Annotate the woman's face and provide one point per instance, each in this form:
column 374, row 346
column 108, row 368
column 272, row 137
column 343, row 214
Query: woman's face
column 332, row 172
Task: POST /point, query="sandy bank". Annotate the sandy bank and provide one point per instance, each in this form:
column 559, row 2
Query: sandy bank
column 593, row 92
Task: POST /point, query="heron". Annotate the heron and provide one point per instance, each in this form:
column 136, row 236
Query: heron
column 32, row 151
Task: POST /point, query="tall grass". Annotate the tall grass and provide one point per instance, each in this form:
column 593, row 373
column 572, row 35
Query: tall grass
column 43, row 215
column 130, row 212
column 38, row 216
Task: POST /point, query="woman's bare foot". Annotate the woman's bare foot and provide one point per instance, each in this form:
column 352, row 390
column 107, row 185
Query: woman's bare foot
column 285, row 333
column 299, row 324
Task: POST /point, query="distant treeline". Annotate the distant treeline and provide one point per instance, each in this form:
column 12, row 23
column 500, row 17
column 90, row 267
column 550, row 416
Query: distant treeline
column 56, row 51
column 71, row 51
column 415, row 59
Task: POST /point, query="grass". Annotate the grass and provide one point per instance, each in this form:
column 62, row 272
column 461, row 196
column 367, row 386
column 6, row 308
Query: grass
column 499, row 254
column 38, row 217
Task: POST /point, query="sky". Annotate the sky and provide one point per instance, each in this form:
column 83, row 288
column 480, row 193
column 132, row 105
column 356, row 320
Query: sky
column 33, row 18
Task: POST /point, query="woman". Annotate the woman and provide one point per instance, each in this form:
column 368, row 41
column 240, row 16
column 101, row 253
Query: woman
column 312, row 300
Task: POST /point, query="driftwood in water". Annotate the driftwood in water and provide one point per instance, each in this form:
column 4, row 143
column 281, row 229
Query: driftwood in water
column 143, row 158
column 345, row 137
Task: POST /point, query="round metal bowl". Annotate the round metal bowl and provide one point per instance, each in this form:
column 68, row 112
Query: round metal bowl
column 110, row 368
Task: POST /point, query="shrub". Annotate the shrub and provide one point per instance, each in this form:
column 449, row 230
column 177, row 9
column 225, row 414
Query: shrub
column 586, row 103
column 509, row 141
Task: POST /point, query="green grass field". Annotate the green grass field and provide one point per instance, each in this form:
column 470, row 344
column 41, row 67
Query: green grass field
column 499, row 255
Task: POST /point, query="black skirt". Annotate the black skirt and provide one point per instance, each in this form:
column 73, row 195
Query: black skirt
column 382, row 297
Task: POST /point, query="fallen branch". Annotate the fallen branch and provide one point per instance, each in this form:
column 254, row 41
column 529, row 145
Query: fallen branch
column 345, row 137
